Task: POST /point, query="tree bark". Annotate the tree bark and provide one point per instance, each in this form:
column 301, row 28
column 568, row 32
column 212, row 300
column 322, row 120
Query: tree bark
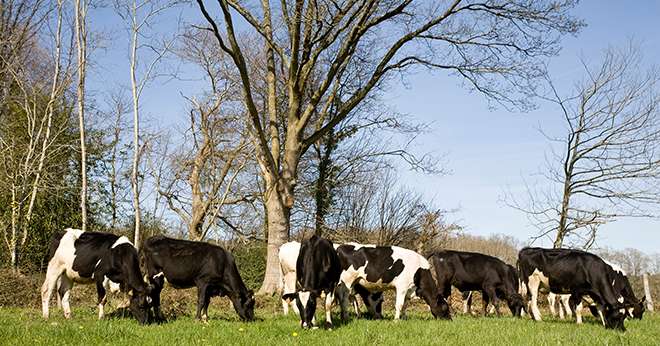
column 81, row 45
column 647, row 292
column 278, row 234
column 136, row 130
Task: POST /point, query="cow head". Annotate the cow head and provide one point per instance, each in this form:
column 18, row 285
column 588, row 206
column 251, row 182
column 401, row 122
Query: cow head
column 244, row 305
column 428, row 290
column 637, row 310
column 516, row 304
column 140, row 305
column 615, row 317
column 306, row 303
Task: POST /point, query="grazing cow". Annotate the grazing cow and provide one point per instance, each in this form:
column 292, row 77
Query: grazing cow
column 317, row 272
column 469, row 271
column 288, row 255
column 106, row 259
column 380, row 268
column 210, row 268
column 579, row 273
column 622, row 286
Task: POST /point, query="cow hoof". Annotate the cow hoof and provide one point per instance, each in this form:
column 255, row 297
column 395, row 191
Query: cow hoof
column 315, row 327
column 328, row 325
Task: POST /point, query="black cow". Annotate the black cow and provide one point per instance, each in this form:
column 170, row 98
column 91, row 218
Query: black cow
column 575, row 272
column 317, row 271
column 185, row 264
column 469, row 271
column 622, row 286
column 380, row 268
column 106, row 259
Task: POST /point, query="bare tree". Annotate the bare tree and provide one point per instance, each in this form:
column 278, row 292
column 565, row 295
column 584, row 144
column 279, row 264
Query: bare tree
column 205, row 169
column 608, row 163
column 29, row 134
column 379, row 211
column 138, row 15
column 632, row 261
column 310, row 48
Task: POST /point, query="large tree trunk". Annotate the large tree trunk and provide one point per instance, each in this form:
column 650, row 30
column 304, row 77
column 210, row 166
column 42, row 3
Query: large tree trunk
column 278, row 233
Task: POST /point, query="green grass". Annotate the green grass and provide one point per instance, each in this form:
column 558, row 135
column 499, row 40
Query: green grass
column 26, row 327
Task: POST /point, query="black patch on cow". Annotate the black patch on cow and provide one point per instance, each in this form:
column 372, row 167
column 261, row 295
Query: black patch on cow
column 89, row 249
column 379, row 261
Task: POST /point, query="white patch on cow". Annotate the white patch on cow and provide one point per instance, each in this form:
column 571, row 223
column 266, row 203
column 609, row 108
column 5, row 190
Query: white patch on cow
column 121, row 240
column 620, row 299
column 358, row 246
column 630, row 312
column 615, row 267
column 110, row 285
column 304, row 298
column 158, row 275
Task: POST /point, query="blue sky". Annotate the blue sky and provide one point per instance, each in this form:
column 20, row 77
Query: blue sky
column 488, row 151
column 491, row 152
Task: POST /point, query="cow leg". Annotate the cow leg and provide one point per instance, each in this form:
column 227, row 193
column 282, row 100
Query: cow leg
column 467, row 301
column 486, row 300
column 205, row 307
column 533, row 286
column 567, row 308
column 158, row 282
column 399, row 304
column 65, row 291
column 285, row 306
column 342, row 291
column 551, row 304
column 575, row 303
column 329, row 298
column 102, row 298
column 50, row 283
column 201, row 299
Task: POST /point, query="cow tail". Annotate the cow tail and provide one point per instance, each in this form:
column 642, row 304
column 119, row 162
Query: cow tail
column 522, row 286
column 54, row 244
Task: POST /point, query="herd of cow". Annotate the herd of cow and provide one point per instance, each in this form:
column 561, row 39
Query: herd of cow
column 317, row 268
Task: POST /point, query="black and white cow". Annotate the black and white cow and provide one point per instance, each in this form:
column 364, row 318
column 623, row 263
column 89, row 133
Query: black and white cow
column 288, row 256
column 621, row 285
column 106, row 259
column 470, row 271
column 380, row 268
column 574, row 272
column 185, row 264
column 317, row 272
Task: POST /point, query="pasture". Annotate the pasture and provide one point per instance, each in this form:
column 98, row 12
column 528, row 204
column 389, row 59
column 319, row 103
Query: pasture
column 20, row 326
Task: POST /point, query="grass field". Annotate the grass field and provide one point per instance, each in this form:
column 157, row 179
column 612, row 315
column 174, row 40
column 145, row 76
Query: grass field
column 21, row 326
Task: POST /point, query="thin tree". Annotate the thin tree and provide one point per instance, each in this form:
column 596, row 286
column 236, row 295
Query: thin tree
column 608, row 162
column 138, row 15
column 320, row 45
column 81, row 7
